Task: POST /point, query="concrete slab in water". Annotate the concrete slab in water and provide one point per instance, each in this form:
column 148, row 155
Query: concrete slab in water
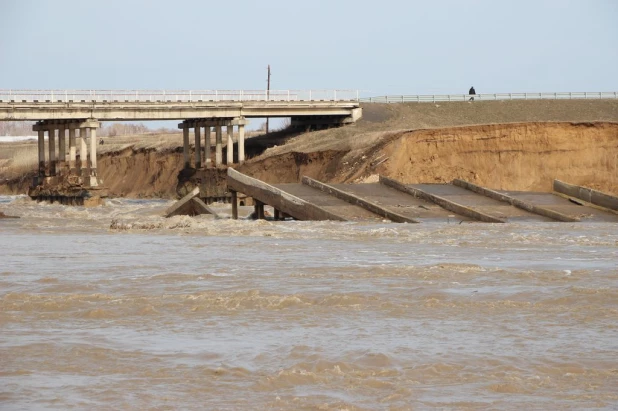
column 480, row 203
column 327, row 202
column 401, row 203
column 564, row 206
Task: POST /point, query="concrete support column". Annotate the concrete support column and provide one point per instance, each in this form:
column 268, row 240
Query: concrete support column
column 198, row 147
column 234, row 204
column 241, row 143
column 72, row 149
column 52, row 150
column 207, row 145
column 185, row 142
column 230, row 145
column 219, row 147
column 258, row 209
column 93, row 152
column 83, row 152
column 62, row 148
column 41, row 142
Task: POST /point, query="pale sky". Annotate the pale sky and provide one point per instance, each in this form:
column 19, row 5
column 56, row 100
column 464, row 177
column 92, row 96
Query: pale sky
column 379, row 47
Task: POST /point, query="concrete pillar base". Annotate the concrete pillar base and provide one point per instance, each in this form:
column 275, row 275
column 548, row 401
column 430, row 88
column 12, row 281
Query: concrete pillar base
column 230, row 145
column 234, row 205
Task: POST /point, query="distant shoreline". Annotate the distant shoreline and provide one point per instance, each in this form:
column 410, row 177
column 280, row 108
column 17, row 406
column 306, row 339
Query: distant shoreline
column 11, row 139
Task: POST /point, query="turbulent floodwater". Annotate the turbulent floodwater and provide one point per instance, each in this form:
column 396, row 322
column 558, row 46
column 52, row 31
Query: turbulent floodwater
column 197, row 313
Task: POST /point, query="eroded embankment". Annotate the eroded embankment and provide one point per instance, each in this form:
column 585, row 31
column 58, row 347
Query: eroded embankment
column 524, row 156
column 515, row 156
column 141, row 173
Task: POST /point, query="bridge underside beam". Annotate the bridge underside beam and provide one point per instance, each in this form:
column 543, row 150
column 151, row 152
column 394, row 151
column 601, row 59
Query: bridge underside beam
column 174, row 111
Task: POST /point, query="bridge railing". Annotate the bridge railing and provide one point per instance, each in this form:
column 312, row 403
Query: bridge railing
column 66, row 96
column 433, row 98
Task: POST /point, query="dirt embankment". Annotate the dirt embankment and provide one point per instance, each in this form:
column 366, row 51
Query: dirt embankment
column 518, row 145
column 508, row 156
column 141, row 173
column 524, row 156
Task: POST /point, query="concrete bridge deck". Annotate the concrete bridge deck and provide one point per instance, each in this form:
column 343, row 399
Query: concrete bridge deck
column 347, row 211
column 401, row 203
column 495, row 208
column 416, row 203
column 337, row 106
column 562, row 205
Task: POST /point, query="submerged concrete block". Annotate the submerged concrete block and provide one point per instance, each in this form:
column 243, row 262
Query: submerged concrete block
column 189, row 205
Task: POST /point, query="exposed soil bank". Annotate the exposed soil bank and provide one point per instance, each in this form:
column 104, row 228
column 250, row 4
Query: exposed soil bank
column 518, row 145
column 513, row 156
column 525, row 156
column 141, row 173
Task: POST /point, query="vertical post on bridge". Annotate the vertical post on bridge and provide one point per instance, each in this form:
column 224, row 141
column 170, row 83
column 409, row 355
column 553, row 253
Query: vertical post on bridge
column 93, row 157
column 230, row 145
column 258, row 209
column 72, row 149
column 185, row 144
column 41, row 143
column 62, row 148
column 52, row 149
column 83, row 152
column 219, row 144
column 234, row 205
column 198, row 146
column 241, row 143
column 207, row 145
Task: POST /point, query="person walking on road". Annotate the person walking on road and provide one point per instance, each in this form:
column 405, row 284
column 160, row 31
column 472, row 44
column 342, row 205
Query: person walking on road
column 472, row 93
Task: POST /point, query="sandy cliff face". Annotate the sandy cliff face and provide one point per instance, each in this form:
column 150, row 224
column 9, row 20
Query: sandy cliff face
column 525, row 156
column 141, row 173
column 509, row 156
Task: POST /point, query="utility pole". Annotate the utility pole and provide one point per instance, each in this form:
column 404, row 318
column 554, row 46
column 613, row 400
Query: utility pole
column 267, row 94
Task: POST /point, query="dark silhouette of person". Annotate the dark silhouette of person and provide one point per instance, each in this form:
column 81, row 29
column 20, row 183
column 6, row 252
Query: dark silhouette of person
column 472, row 92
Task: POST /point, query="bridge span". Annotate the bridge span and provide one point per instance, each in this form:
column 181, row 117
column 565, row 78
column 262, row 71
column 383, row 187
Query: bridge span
column 339, row 106
column 57, row 111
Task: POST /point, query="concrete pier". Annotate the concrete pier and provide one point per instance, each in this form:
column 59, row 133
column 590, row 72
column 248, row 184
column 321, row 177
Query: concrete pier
column 62, row 149
column 207, row 146
column 185, row 145
column 219, row 146
column 56, row 163
column 241, row 143
column 63, row 181
column 83, row 152
column 52, row 150
column 230, row 145
column 203, row 157
column 72, row 150
column 41, row 143
column 198, row 147
column 93, row 157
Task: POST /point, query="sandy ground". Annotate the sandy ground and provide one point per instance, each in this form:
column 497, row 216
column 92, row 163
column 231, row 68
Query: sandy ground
column 519, row 145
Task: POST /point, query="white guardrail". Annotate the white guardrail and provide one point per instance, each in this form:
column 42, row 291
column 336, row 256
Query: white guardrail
column 434, row 98
column 66, row 96
column 100, row 96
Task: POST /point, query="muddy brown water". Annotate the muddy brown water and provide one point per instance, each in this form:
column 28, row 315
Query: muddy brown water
column 197, row 313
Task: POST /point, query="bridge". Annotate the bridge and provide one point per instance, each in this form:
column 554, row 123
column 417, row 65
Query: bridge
column 395, row 201
column 57, row 111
